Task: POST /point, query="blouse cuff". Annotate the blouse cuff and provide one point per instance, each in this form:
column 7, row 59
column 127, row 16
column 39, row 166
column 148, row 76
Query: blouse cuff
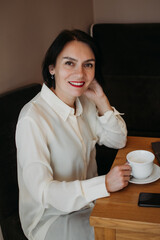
column 94, row 188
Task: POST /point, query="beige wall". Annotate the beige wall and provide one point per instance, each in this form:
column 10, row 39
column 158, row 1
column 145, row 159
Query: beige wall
column 126, row 11
column 27, row 28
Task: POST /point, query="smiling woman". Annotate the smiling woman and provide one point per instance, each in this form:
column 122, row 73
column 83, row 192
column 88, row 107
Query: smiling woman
column 56, row 136
column 74, row 71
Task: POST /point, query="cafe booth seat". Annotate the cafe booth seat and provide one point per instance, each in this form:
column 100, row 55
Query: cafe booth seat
column 130, row 77
column 10, row 106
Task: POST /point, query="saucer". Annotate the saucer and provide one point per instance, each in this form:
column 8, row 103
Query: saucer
column 152, row 178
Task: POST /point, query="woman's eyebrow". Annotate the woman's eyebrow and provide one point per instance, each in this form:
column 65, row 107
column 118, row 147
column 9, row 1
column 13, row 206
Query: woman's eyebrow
column 70, row 58
column 90, row 60
column 73, row 59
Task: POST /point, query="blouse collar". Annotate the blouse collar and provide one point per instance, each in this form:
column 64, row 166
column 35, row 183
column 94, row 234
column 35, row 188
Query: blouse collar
column 62, row 109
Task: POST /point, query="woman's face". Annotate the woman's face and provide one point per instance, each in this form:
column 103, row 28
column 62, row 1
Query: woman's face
column 74, row 71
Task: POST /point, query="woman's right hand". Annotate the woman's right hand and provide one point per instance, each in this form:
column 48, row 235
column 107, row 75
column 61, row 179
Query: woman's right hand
column 118, row 178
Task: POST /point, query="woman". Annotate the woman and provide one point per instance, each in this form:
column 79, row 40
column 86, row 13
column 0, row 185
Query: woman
column 56, row 136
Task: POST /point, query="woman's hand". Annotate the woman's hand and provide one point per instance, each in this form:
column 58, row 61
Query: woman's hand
column 96, row 94
column 118, row 178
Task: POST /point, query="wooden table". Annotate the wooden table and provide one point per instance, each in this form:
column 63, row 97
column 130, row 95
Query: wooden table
column 118, row 217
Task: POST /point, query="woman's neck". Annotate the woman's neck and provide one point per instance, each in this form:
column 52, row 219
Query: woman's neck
column 71, row 102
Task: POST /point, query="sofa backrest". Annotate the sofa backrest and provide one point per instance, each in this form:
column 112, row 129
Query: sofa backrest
column 131, row 73
column 10, row 105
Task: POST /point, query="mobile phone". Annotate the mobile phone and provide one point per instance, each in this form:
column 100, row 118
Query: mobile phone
column 149, row 200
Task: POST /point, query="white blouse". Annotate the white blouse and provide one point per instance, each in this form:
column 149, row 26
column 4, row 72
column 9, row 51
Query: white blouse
column 57, row 168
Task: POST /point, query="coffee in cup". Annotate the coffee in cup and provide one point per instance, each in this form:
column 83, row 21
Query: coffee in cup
column 141, row 162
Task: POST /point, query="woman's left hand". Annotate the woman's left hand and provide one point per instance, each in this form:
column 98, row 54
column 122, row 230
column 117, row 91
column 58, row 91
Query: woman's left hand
column 97, row 95
column 118, row 178
column 94, row 90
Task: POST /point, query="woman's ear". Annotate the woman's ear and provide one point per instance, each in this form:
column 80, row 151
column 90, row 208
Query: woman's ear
column 51, row 69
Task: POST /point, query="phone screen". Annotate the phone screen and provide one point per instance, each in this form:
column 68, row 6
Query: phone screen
column 149, row 200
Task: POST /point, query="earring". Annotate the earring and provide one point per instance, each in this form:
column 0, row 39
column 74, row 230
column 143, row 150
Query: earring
column 52, row 76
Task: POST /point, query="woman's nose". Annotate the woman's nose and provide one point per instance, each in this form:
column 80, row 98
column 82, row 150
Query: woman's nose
column 80, row 71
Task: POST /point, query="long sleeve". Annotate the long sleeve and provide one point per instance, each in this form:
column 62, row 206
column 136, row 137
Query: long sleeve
column 111, row 129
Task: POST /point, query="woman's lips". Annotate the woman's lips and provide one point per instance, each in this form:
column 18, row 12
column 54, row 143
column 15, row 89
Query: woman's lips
column 77, row 84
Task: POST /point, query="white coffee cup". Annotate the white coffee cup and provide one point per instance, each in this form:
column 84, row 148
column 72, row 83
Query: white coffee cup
column 141, row 162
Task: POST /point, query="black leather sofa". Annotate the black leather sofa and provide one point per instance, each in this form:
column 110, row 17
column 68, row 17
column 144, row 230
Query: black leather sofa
column 131, row 80
column 10, row 106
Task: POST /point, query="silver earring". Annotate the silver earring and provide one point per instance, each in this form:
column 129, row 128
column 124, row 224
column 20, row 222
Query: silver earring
column 52, row 76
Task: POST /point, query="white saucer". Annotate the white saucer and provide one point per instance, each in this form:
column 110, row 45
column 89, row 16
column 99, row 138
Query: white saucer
column 152, row 178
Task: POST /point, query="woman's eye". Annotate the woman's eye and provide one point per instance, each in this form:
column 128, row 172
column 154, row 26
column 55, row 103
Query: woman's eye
column 69, row 63
column 89, row 65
